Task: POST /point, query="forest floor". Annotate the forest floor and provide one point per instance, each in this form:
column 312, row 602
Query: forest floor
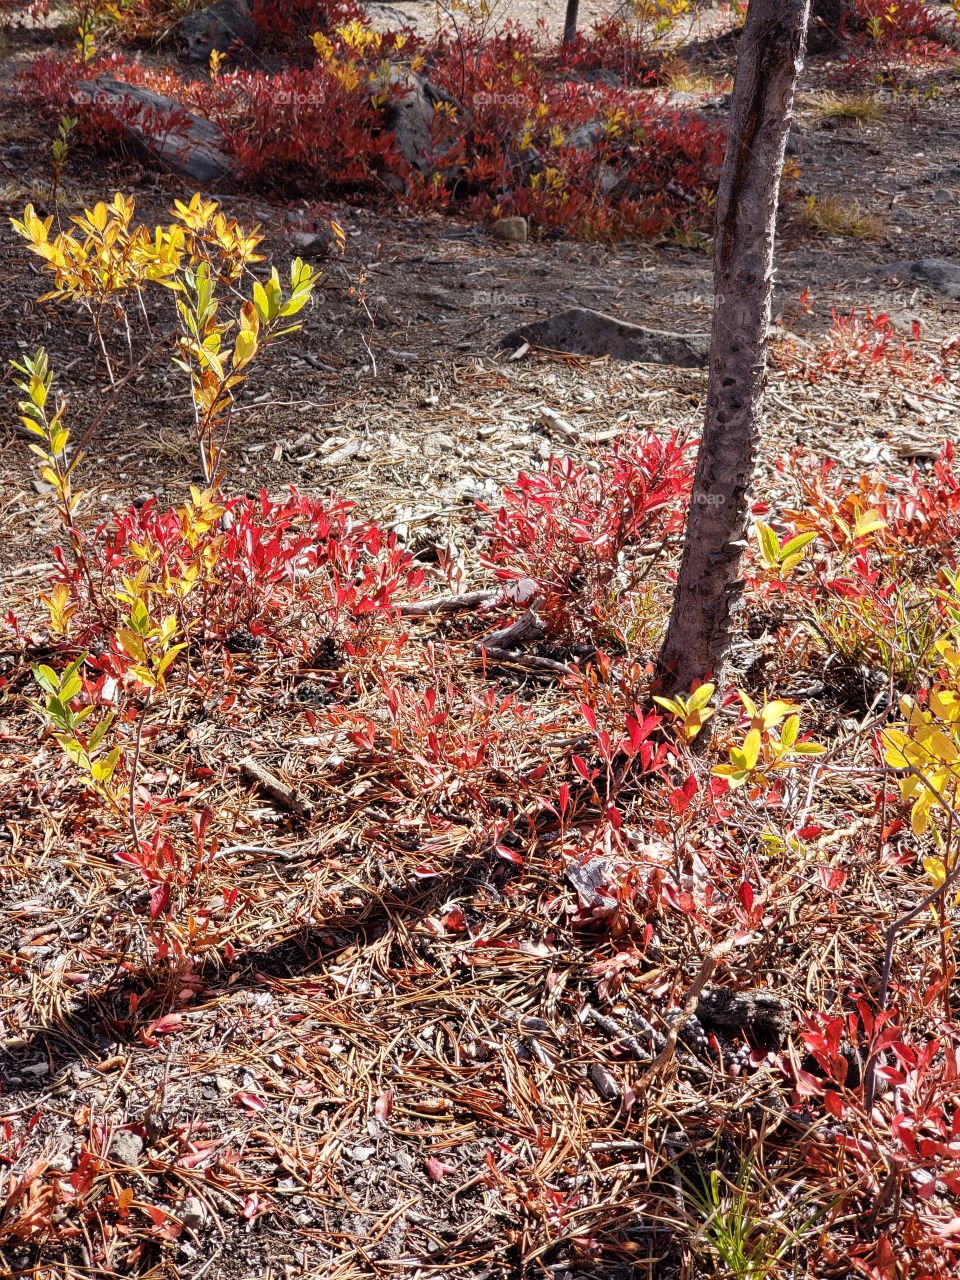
column 396, row 1075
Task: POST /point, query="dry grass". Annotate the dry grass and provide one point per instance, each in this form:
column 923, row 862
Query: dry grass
column 832, row 216
column 854, row 108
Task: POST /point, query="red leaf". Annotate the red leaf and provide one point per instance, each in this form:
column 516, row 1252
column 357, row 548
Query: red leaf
column 510, row 855
column 563, row 797
column 437, row 1169
column 580, row 765
column 166, row 1025
column 158, row 900
column 249, row 1101
column 833, row 1104
column 455, row 921
column 384, row 1105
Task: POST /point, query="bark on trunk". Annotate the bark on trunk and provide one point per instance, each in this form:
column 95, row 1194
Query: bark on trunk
column 709, row 585
column 570, row 22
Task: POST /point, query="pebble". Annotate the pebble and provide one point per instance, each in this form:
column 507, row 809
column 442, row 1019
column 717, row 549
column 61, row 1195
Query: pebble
column 126, row 1147
column 193, row 1213
column 510, row 230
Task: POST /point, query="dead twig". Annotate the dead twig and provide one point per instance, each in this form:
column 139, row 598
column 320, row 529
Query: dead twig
column 288, row 797
column 448, row 604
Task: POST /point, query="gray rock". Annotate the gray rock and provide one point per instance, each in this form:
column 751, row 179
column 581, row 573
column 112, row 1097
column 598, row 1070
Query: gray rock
column 193, row 1213
column 412, row 116
column 194, row 148
column 311, row 244
column 586, row 137
column 594, row 75
column 126, row 1147
column 581, row 331
column 217, row 26
column 593, row 881
column 939, row 272
column 512, row 230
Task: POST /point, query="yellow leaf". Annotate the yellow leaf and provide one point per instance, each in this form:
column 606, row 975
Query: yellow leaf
column 774, row 712
column 935, row 870
column 701, row 696
column 751, row 748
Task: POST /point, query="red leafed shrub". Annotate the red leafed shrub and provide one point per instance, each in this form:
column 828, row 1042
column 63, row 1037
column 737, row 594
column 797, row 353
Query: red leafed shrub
column 922, row 511
column 278, row 21
column 296, row 571
column 912, row 1134
column 865, row 344
column 514, row 137
column 437, row 741
column 301, row 128
column 573, row 532
column 596, row 161
column 895, row 20
column 611, row 44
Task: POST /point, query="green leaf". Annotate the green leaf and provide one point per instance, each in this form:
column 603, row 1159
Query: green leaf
column 294, row 305
column 798, row 543
column 261, row 301
column 245, row 348
column 167, row 658
column 788, row 734
column 97, row 736
column 70, row 688
column 769, row 545
column 46, row 678
column 751, row 748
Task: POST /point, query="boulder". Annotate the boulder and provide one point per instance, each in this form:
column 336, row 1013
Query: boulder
column 943, row 274
column 424, row 140
column 191, row 147
column 583, row 332
column 217, row 26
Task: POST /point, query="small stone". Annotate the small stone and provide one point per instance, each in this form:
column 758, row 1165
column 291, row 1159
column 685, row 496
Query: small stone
column 311, row 244
column 193, row 1213
column 510, row 230
column 362, row 1154
column 603, row 1082
column 126, row 1147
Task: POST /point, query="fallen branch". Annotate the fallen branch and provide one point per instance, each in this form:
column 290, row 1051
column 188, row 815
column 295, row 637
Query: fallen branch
column 287, row 797
column 526, row 630
column 449, row 604
column 620, row 1035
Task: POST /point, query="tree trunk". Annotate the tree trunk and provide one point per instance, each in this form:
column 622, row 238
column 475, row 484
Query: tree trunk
column 570, row 22
column 709, row 586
